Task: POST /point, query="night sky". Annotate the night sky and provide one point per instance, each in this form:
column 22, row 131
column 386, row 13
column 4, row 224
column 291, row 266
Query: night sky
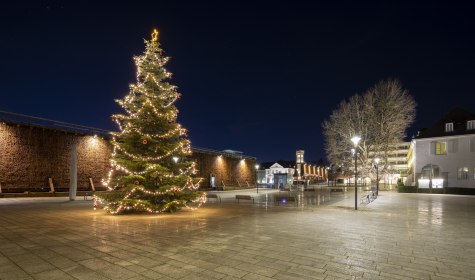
column 257, row 78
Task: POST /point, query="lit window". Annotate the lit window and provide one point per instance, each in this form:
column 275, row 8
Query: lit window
column 462, row 173
column 441, row 148
column 449, row 127
column 471, row 125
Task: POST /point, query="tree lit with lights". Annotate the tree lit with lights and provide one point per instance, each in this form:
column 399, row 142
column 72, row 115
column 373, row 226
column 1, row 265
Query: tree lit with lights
column 150, row 169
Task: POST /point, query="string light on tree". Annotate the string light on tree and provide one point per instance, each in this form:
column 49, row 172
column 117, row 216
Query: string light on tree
column 146, row 175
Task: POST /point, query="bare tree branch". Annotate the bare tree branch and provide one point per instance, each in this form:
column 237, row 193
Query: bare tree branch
column 380, row 117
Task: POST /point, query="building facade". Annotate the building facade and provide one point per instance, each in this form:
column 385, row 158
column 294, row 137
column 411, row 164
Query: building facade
column 278, row 176
column 396, row 165
column 286, row 173
column 444, row 154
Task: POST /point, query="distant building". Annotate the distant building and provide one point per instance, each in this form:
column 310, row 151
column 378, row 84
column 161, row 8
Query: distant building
column 286, row 173
column 275, row 175
column 444, row 154
column 396, row 164
column 279, row 176
column 307, row 172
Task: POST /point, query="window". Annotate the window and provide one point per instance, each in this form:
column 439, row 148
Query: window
column 449, row 127
column 462, row 173
column 441, row 148
column 474, row 173
column 471, row 125
column 430, row 171
column 452, row 146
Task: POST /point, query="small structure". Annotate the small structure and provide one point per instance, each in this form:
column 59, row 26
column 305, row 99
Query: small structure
column 282, row 174
column 279, row 176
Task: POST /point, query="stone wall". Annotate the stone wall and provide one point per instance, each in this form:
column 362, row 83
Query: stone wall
column 227, row 170
column 30, row 154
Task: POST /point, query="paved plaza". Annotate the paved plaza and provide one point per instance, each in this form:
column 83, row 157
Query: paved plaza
column 320, row 236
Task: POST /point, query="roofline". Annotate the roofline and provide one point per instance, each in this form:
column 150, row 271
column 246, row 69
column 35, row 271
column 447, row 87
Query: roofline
column 442, row 137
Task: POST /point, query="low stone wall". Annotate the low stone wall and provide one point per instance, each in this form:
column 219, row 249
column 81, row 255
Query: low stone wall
column 31, row 154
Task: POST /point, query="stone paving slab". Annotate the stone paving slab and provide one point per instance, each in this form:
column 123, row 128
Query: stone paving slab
column 397, row 236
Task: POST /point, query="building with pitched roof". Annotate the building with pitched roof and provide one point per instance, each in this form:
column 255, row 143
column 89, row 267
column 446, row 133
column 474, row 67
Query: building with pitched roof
column 444, row 154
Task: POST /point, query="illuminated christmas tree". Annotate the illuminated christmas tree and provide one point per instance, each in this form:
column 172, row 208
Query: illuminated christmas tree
column 150, row 169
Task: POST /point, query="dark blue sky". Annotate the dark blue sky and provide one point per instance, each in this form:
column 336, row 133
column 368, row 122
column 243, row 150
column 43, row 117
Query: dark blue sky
column 259, row 78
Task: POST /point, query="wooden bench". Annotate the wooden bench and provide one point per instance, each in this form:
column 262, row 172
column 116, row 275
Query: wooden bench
column 244, row 197
column 213, row 195
column 283, row 199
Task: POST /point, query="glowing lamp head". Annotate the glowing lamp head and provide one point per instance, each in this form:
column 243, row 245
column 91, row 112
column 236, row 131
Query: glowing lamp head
column 376, row 160
column 256, row 166
column 355, row 140
column 175, row 159
column 94, row 140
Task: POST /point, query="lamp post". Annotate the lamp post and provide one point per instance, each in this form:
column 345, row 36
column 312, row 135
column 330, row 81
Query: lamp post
column 356, row 140
column 328, row 175
column 257, row 174
column 376, row 160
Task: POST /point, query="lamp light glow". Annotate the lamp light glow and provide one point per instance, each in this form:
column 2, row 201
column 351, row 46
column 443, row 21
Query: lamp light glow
column 355, row 139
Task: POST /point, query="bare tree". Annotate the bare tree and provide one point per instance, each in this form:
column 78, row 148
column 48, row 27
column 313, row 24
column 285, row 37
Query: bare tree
column 380, row 117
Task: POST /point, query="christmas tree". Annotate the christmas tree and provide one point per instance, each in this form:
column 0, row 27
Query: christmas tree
column 150, row 169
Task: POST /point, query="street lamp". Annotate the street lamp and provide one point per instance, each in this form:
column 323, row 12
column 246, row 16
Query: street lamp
column 257, row 183
column 356, row 140
column 376, row 160
column 328, row 175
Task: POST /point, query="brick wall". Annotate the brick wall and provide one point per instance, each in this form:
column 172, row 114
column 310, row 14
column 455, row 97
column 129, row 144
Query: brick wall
column 227, row 170
column 29, row 155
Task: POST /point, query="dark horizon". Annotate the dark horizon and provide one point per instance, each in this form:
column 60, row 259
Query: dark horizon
column 258, row 78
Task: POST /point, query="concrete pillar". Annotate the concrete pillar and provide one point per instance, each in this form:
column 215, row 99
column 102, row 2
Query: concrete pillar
column 73, row 172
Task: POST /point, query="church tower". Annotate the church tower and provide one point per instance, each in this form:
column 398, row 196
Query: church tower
column 299, row 163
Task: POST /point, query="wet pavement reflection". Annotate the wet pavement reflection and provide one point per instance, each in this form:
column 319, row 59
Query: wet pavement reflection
column 318, row 235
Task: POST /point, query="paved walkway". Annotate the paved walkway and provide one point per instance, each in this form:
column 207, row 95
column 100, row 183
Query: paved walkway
column 398, row 236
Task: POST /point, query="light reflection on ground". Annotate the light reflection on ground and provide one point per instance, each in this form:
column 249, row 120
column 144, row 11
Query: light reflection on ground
column 401, row 236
